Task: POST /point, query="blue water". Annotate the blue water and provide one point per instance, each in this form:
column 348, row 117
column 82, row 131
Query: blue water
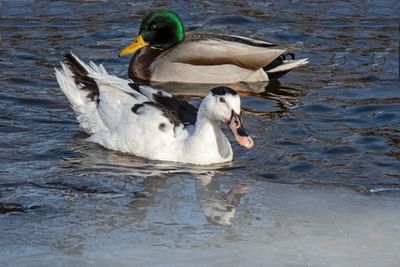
column 327, row 138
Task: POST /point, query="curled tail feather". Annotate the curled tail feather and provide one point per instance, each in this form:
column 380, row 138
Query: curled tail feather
column 81, row 90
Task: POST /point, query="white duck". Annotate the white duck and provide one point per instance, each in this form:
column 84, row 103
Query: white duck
column 150, row 123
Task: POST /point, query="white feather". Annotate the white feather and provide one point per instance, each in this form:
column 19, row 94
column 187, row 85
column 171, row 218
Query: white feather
column 289, row 64
column 145, row 130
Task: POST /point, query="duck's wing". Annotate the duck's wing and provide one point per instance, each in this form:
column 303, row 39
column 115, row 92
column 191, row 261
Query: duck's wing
column 95, row 96
column 140, row 119
column 103, row 102
column 213, row 61
column 283, row 62
column 196, row 36
column 218, row 58
column 209, row 52
column 178, row 109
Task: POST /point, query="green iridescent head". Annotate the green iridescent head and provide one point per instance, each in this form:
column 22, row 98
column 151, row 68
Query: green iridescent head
column 160, row 29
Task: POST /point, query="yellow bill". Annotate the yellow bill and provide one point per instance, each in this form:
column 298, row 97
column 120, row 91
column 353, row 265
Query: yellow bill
column 136, row 45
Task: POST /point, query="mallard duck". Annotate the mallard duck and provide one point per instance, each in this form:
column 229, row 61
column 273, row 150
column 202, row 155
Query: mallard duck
column 165, row 53
column 121, row 115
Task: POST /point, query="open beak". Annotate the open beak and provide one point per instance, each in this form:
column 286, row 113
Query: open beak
column 235, row 124
column 136, row 45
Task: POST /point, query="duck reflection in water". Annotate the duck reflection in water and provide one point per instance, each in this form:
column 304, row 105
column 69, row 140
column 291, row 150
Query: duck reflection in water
column 218, row 207
column 141, row 180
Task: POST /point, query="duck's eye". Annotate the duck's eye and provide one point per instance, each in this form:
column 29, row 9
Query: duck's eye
column 153, row 27
column 222, row 100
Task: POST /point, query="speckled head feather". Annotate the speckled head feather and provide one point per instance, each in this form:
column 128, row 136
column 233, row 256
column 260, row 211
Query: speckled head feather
column 223, row 90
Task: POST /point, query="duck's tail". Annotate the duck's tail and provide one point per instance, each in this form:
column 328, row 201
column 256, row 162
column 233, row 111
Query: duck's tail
column 283, row 64
column 81, row 90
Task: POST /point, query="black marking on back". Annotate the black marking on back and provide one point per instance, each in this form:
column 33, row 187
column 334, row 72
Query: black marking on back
column 185, row 112
column 81, row 76
column 135, row 87
column 177, row 110
column 161, row 127
column 171, row 115
column 131, row 94
column 223, row 90
column 136, row 107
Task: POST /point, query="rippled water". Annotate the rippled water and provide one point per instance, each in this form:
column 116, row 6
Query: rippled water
column 322, row 180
